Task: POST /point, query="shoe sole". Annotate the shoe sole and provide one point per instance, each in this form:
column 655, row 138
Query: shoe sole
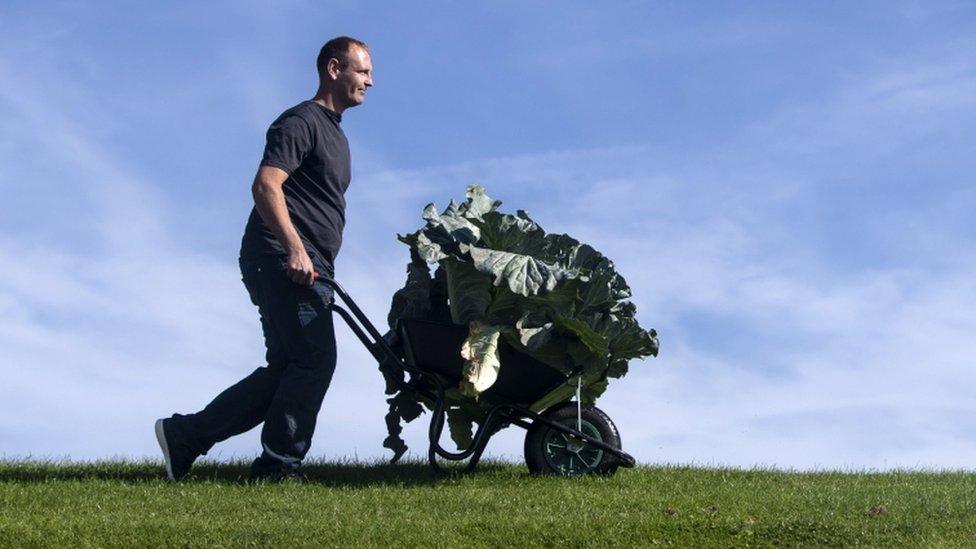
column 161, row 438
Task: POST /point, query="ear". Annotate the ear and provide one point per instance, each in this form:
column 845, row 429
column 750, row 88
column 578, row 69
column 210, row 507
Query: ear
column 333, row 68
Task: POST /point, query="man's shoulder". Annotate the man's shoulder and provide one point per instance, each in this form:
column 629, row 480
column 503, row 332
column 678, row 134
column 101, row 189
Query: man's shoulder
column 312, row 114
column 301, row 110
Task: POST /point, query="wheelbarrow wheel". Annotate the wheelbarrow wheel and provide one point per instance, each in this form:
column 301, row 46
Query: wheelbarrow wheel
column 549, row 451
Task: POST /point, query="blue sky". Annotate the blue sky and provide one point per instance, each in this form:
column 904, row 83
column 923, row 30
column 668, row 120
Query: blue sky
column 788, row 189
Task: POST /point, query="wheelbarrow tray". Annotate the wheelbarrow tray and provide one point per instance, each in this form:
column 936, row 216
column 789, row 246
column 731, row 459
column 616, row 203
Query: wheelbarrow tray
column 436, row 347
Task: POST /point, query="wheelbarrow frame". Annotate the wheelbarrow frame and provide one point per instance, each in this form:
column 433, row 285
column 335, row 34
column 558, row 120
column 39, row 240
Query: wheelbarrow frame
column 497, row 416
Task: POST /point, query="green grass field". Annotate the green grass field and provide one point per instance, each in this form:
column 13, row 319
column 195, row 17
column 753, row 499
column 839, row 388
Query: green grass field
column 119, row 504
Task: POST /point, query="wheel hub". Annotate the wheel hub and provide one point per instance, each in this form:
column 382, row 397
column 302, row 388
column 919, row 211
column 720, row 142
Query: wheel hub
column 569, row 455
column 574, row 444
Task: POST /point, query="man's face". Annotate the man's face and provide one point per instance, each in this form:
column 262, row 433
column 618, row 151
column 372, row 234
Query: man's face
column 355, row 78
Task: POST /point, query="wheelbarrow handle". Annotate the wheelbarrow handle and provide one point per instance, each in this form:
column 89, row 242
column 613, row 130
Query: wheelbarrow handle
column 375, row 343
column 356, row 311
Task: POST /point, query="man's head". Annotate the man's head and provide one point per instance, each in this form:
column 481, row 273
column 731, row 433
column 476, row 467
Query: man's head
column 345, row 71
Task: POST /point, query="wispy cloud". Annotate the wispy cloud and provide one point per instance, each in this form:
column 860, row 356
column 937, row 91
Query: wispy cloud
column 788, row 338
column 774, row 349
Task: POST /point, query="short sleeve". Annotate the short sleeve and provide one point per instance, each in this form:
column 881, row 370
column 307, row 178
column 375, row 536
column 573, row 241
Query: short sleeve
column 289, row 140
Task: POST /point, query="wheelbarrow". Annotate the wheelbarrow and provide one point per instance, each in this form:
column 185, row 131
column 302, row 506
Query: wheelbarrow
column 563, row 437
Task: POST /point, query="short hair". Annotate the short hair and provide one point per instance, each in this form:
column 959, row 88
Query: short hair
column 337, row 48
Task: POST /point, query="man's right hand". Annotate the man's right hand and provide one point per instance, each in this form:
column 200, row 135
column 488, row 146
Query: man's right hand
column 300, row 268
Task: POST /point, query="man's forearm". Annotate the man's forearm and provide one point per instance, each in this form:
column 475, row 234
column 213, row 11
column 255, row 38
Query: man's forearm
column 270, row 203
column 269, row 199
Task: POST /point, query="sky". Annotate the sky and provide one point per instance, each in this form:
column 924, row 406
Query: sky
column 788, row 189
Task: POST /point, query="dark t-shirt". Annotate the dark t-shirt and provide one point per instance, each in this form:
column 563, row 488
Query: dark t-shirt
column 307, row 143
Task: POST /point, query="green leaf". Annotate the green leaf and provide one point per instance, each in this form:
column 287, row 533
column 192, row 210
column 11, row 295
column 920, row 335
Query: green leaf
column 480, row 353
column 510, row 233
column 601, row 287
column 505, row 306
column 629, row 341
column 478, row 203
column 459, row 424
column 429, row 250
column 469, row 291
column 413, row 300
column 451, row 227
column 561, row 301
column 440, row 311
column 403, row 406
column 593, row 348
column 592, row 391
column 534, row 332
column 523, row 274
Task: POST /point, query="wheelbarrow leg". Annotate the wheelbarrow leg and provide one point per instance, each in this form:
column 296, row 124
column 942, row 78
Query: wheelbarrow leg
column 473, row 453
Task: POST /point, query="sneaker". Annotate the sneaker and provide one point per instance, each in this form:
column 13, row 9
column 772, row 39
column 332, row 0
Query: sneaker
column 178, row 460
column 282, row 477
column 265, row 469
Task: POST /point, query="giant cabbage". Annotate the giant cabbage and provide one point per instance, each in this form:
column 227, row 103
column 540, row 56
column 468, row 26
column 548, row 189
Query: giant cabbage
column 502, row 276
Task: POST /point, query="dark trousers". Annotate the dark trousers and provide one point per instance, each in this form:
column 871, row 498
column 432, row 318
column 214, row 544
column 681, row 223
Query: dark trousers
column 285, row 395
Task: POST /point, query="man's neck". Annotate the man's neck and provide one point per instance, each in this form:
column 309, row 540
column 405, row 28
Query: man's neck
column 325, row 99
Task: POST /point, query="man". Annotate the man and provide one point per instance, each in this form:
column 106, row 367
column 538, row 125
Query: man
column 292, row 237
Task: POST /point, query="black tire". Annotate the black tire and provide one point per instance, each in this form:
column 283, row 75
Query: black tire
column 540, row 463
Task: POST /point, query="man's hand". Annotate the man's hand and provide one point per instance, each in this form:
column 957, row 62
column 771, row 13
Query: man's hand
column 300, row 268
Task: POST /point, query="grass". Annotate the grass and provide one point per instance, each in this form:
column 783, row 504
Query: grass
column 129, row 504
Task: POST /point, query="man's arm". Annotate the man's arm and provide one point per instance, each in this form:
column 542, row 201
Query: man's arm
column 269, row 199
